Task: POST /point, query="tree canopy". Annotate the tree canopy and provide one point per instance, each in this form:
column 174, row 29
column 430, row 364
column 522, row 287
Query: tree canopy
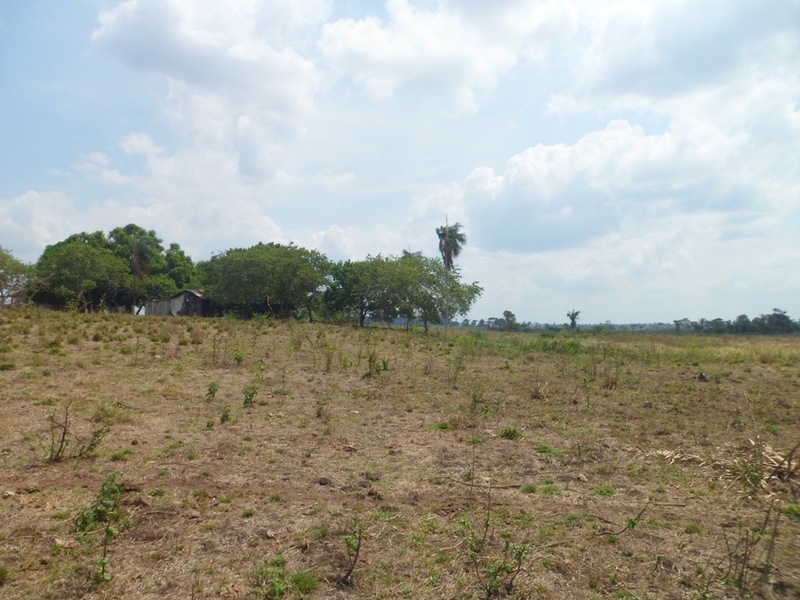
column 281, row 280
column 15, row 276
column 451, row 242
column 90, row 271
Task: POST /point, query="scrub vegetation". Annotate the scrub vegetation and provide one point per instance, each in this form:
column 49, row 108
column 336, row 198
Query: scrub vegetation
column 149, row 457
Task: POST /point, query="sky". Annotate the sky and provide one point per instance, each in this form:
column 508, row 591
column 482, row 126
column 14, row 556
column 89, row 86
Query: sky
column 637, row 161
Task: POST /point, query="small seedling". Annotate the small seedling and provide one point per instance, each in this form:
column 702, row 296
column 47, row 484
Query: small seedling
column 495, row 563
column 103, row 512
column 213, row 388
column 59, row 434
column 250, row 392
column 353, row 540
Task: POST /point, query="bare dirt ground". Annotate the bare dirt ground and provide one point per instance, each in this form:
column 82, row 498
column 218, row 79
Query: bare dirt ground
column 283, row 460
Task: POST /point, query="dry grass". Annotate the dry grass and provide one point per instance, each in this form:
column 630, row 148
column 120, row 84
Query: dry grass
column 623, row 473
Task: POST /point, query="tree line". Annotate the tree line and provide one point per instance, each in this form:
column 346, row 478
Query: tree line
column 125, row 268
column 776, row 322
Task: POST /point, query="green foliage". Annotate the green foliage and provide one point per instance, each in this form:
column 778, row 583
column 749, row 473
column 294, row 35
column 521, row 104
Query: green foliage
column 89, row 271
column 496, row 563
column 353, row 539
column 249, row 392
column 792, row 511
column 605, row 490
column 274, row 279
column 304, row 582
column 510, row 433
column 105, row 513
column 105, row 509
column 272, row 582
column 15, row 276
column 384, row 288
column 211, row 393
column 451, row 242
column 547, row 450
column 72, row 273
column 269, row 579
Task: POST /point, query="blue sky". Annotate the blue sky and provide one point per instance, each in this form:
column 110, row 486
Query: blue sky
column 637, row 161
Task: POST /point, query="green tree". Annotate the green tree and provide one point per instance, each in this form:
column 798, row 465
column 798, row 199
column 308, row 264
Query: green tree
column 779, row 322
column 451, row 242
column 144, row 252
column 510, row 320
column 422, row 276
column 15, row 277
column 266, row 278
column 573, row 318
column 741, row 324
column 179, row 267
column 365, row 288
column 75, row 273
column 453, row 298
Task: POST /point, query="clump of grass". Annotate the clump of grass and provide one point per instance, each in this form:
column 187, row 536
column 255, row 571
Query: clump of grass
column 792, row 511
column 605, row 490
column 692, row 528
column 528, row 488
column 510, row 433
column 547, row 450
column 304, row 582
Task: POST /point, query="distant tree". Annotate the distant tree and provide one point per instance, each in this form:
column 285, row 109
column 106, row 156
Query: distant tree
column 451, row 242
column 741, row 324
column 779, row 322
column 15, row 277
column 573, row 318
column 718, row 325
column 510, row 320
column 481, row 323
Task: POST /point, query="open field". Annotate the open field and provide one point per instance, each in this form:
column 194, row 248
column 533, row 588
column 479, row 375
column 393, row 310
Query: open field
column 267, row 459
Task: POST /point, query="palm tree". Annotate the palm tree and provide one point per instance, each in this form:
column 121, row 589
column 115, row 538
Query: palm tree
column 573, row 318
column 451, row 242
column 142, row 254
